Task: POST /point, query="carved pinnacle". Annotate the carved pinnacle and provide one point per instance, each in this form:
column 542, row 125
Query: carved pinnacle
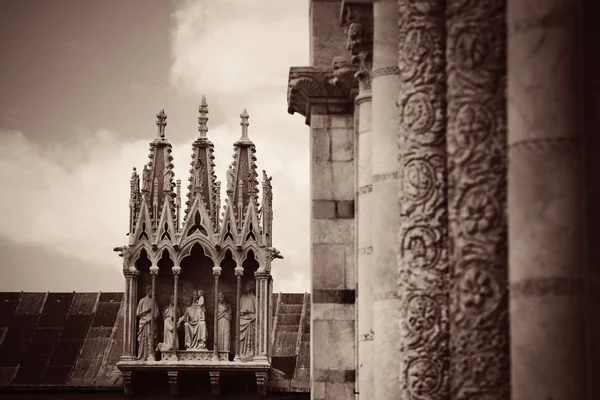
column 203, row 119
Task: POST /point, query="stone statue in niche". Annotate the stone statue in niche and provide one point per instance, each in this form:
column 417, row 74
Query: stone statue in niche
column 146, row 178
column 230, row 179
column 167, row 180
column 223, row 323
column 247, row 321
column 170, row 329
column 194, row 322
column 145, row 315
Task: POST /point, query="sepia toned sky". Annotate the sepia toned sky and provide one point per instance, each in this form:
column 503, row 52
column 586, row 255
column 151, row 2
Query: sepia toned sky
column 80, row 85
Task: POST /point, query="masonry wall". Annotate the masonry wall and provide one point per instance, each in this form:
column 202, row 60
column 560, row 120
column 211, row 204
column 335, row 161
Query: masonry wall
column 333, row 266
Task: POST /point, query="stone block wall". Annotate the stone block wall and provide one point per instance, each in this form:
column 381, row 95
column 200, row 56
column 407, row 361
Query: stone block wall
column 327, row 40
column 333, row 259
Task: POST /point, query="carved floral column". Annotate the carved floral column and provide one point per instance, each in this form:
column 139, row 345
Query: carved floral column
column 239, row 272
column 176, row 272
column 545, row 201
column 357, row 19
column 151, row 344
column 423, row 258
column 479, row 337
column 217, row 273
column 262, row 306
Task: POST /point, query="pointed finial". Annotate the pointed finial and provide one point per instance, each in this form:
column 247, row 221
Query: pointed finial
column 244, row 116
column 161, row 121
column 202, row 119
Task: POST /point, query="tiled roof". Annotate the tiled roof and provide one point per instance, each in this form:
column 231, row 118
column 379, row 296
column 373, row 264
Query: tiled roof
column 73, row 340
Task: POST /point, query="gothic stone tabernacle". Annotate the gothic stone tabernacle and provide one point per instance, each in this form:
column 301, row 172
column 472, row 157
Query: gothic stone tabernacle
column 187, row 270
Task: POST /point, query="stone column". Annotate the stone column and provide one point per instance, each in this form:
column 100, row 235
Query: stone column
column 357, row 19
column 479, row 337
column 385, row 211
column 239, row 272
column 325, row 97
column 270, row 317
column 262, row 306
column 545, row 199
column 127, row 332
column 151, row 355
column 132, row 312
column 217, row 273
column 176, row 272
column 365, row 331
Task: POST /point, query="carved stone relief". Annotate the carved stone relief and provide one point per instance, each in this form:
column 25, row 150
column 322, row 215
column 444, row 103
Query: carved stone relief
column 423, row 257
column 477, row 199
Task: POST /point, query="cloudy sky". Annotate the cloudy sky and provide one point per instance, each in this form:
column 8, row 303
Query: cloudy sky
column 80, row 85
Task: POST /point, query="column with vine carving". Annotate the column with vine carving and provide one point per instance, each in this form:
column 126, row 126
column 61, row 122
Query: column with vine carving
column 423, row 259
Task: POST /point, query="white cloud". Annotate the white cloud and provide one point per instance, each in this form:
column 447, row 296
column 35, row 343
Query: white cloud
column 72, row 197
column 238, row 46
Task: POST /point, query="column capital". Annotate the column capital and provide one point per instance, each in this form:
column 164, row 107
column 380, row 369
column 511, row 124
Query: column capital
column 239, row 271
column 176, row 270
column 356, row 18
column 217, row 271
column 261, row 274
column 334, row 88
column 154, row 270
column 130, row 272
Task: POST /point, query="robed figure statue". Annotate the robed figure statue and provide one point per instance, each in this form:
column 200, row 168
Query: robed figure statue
column 194, row 322
column 223, row 324
column 170, row 330
column 248, row 321
column 144, row 312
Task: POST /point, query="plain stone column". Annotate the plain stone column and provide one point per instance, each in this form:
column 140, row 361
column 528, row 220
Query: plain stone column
column 545, row 200
column 261, row 314
column 364, row 246
column 239, row 272
column 127, row 332
column 217, row 273
column 151, row 342
column 176, row 272
column 476, row 68
column 385, row 212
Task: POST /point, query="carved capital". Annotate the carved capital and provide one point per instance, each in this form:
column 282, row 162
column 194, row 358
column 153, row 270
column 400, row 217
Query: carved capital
column 130, row 272
column 215, row 384
column 217, row 271
column 261, row 273
column 239, row 271
column 357, row 21
column 334, row 88
column 154, row 270
column 176, row 270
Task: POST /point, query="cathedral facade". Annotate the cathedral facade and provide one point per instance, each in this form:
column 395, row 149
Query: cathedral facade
column 452, row 238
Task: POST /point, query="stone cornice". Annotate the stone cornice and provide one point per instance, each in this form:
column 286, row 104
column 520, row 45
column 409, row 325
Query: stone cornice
column 334, row 88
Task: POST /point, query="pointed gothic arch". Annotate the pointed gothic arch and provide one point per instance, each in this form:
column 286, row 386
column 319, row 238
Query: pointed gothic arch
column 188, row 244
